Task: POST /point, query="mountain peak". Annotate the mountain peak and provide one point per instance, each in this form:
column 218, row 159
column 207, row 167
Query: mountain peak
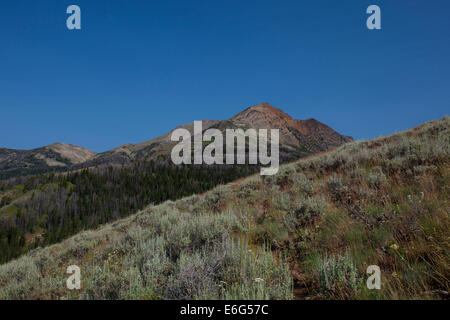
column 263, row 105
column 263, row 111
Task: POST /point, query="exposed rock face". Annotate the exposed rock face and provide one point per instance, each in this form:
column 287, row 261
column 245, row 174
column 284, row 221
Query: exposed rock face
column 310, row 134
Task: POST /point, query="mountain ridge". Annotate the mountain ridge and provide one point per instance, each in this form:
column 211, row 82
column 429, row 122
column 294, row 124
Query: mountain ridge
column 298, row 138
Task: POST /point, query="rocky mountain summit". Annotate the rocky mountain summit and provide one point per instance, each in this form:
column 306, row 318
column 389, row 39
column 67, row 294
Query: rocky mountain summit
column 298, row 138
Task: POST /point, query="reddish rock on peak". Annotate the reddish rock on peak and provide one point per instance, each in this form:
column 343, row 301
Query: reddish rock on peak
column 305, row 134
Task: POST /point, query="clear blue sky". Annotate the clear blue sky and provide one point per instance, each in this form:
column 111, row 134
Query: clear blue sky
column 139, row 68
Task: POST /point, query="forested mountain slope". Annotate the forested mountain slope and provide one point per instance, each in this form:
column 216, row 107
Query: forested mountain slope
column 44, row 209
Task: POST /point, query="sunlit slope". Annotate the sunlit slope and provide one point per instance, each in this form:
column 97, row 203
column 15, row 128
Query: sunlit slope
column 312, row 230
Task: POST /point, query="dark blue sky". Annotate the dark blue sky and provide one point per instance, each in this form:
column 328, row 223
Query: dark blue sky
column 139, row 68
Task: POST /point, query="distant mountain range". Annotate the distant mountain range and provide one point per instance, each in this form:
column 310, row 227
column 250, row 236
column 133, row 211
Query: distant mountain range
column 298, row 138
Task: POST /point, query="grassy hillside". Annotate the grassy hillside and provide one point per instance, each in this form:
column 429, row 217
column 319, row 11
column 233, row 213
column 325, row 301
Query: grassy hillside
column 311, row 230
